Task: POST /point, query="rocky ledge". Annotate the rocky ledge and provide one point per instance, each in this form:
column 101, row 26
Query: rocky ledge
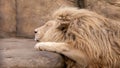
column 19, row 53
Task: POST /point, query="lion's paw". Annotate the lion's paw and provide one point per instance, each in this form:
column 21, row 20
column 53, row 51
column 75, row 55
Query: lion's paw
column 40, row 46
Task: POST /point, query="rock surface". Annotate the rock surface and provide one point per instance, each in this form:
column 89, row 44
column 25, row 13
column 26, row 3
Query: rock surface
column 7, row 18
column 19, row 53
column 107, row 8
column 21, row 17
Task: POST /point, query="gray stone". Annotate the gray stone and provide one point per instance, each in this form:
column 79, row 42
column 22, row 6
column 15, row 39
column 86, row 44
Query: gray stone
column 107, row 8
column 7, row 18
column 20, row 53
column 21, row 17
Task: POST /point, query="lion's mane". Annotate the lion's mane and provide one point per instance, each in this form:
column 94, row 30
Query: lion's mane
column 92, row 34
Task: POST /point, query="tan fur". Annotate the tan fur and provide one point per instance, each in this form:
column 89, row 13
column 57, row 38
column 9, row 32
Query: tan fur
column 90, row 40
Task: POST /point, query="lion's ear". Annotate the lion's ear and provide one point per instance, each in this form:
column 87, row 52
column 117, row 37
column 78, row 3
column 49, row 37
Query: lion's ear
column 63, row 26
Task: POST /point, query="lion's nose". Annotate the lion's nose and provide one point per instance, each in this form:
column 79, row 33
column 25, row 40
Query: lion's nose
column 35, row 31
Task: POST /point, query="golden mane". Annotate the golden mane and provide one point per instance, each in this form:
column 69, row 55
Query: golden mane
column 86, row 39
column 91, row 33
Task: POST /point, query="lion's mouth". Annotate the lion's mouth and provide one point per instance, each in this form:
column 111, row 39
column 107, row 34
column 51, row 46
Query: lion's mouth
column 37, row 40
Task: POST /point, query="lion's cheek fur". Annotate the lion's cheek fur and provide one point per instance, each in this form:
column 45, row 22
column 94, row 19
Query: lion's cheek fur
column 53, row 35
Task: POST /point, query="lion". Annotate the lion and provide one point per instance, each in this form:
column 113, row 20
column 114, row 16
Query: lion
column 86, row 38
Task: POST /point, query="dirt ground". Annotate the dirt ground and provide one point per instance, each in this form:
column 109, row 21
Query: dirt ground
column 20, row 53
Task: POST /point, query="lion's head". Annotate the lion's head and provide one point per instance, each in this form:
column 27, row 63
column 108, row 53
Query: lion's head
column 89, row 32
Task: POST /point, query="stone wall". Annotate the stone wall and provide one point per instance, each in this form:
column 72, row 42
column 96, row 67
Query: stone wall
column 7, row 18
column 21, row 17
column 107, row 8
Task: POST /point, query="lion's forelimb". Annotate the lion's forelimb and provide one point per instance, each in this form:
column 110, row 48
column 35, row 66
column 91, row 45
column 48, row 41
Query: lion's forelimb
column 62, row 48
column 52, row 46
